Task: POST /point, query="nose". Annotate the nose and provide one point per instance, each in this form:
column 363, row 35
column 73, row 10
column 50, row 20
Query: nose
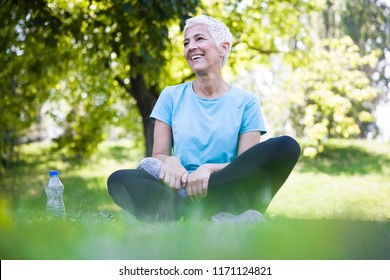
column 191, row 45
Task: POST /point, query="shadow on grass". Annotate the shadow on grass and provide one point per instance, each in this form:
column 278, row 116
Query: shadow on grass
column 349, row 160
column 119, row 153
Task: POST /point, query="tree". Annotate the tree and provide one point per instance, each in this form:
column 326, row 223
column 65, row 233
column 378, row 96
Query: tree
column 88, row 53
column 130, row 38
column 330, row 95
column 367, row 22
column 27, row 56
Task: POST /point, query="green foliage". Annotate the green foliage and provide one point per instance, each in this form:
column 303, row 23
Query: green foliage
column 81, row 56
column 125, row 41
column 328, row 95
column 367, row 23
column 262, row 29
column 29, row 65
column 89, row 104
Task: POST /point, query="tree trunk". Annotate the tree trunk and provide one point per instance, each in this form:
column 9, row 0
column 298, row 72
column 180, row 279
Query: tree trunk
column 328, row 16
column 146, row 98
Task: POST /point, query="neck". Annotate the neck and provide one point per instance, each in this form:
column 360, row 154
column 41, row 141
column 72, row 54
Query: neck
column 210, row 86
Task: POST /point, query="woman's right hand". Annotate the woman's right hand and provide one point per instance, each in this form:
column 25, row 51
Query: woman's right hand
column 173, row 173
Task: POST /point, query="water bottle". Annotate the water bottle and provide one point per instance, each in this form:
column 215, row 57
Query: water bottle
column 55, row 207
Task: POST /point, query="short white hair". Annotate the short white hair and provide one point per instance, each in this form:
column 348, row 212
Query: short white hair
column 218, row 31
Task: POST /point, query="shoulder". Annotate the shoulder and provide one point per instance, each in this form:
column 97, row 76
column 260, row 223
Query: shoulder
column 243, row 96
column 175, row 89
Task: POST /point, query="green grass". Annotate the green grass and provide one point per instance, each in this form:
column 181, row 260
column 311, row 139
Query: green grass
column 350, row 180
column 336, row 206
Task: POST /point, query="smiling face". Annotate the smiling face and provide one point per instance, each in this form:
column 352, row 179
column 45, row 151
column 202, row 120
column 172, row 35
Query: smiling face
column 201, row 51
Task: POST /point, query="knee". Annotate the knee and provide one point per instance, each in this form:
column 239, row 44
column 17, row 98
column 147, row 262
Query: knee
column 290, row 146
column 113, row 181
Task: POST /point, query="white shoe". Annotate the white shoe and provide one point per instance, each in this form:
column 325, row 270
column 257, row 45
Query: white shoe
column 151, row 165
column 247, row 217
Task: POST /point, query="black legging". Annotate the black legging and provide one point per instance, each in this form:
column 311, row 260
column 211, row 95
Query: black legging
column 250, row 181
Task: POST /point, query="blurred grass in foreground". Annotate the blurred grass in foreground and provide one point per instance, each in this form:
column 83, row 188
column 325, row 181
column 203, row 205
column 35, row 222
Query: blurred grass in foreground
column 336, row 206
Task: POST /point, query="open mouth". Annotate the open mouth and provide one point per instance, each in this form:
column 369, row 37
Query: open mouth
column 196, row 57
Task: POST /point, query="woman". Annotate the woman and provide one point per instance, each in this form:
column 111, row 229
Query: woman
column 218, row 164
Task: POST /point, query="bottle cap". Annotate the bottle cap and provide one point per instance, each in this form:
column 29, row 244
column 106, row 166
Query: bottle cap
column 53, row 172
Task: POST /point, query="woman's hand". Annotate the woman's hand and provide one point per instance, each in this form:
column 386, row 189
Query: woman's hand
column 198, row 181
column 173, row 173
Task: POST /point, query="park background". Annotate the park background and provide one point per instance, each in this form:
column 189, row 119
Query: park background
column 78, row 80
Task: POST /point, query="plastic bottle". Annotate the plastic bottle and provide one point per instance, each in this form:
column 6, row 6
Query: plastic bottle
column 55, row 207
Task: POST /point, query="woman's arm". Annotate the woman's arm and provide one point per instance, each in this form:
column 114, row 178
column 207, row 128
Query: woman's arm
column 162, row 140
column 172, row 172
column 247, row 140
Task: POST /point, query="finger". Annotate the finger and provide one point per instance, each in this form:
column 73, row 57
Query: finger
column 204, row 188
column 166, row 179
column 177, row 184
column 184, row 179
column 162, row 175
column 195, row 191
column 172, row 182
column 198, row 189
column 188, row 189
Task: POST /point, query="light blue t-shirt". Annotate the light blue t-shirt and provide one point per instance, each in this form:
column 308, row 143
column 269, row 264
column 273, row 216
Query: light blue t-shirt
column 207, row 130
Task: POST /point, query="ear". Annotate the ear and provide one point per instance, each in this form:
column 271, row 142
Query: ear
column 224, row 48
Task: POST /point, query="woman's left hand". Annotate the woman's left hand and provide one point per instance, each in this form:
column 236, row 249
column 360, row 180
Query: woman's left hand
column 197, row 182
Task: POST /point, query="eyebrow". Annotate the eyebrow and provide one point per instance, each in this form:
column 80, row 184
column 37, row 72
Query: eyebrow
column 196, row 35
